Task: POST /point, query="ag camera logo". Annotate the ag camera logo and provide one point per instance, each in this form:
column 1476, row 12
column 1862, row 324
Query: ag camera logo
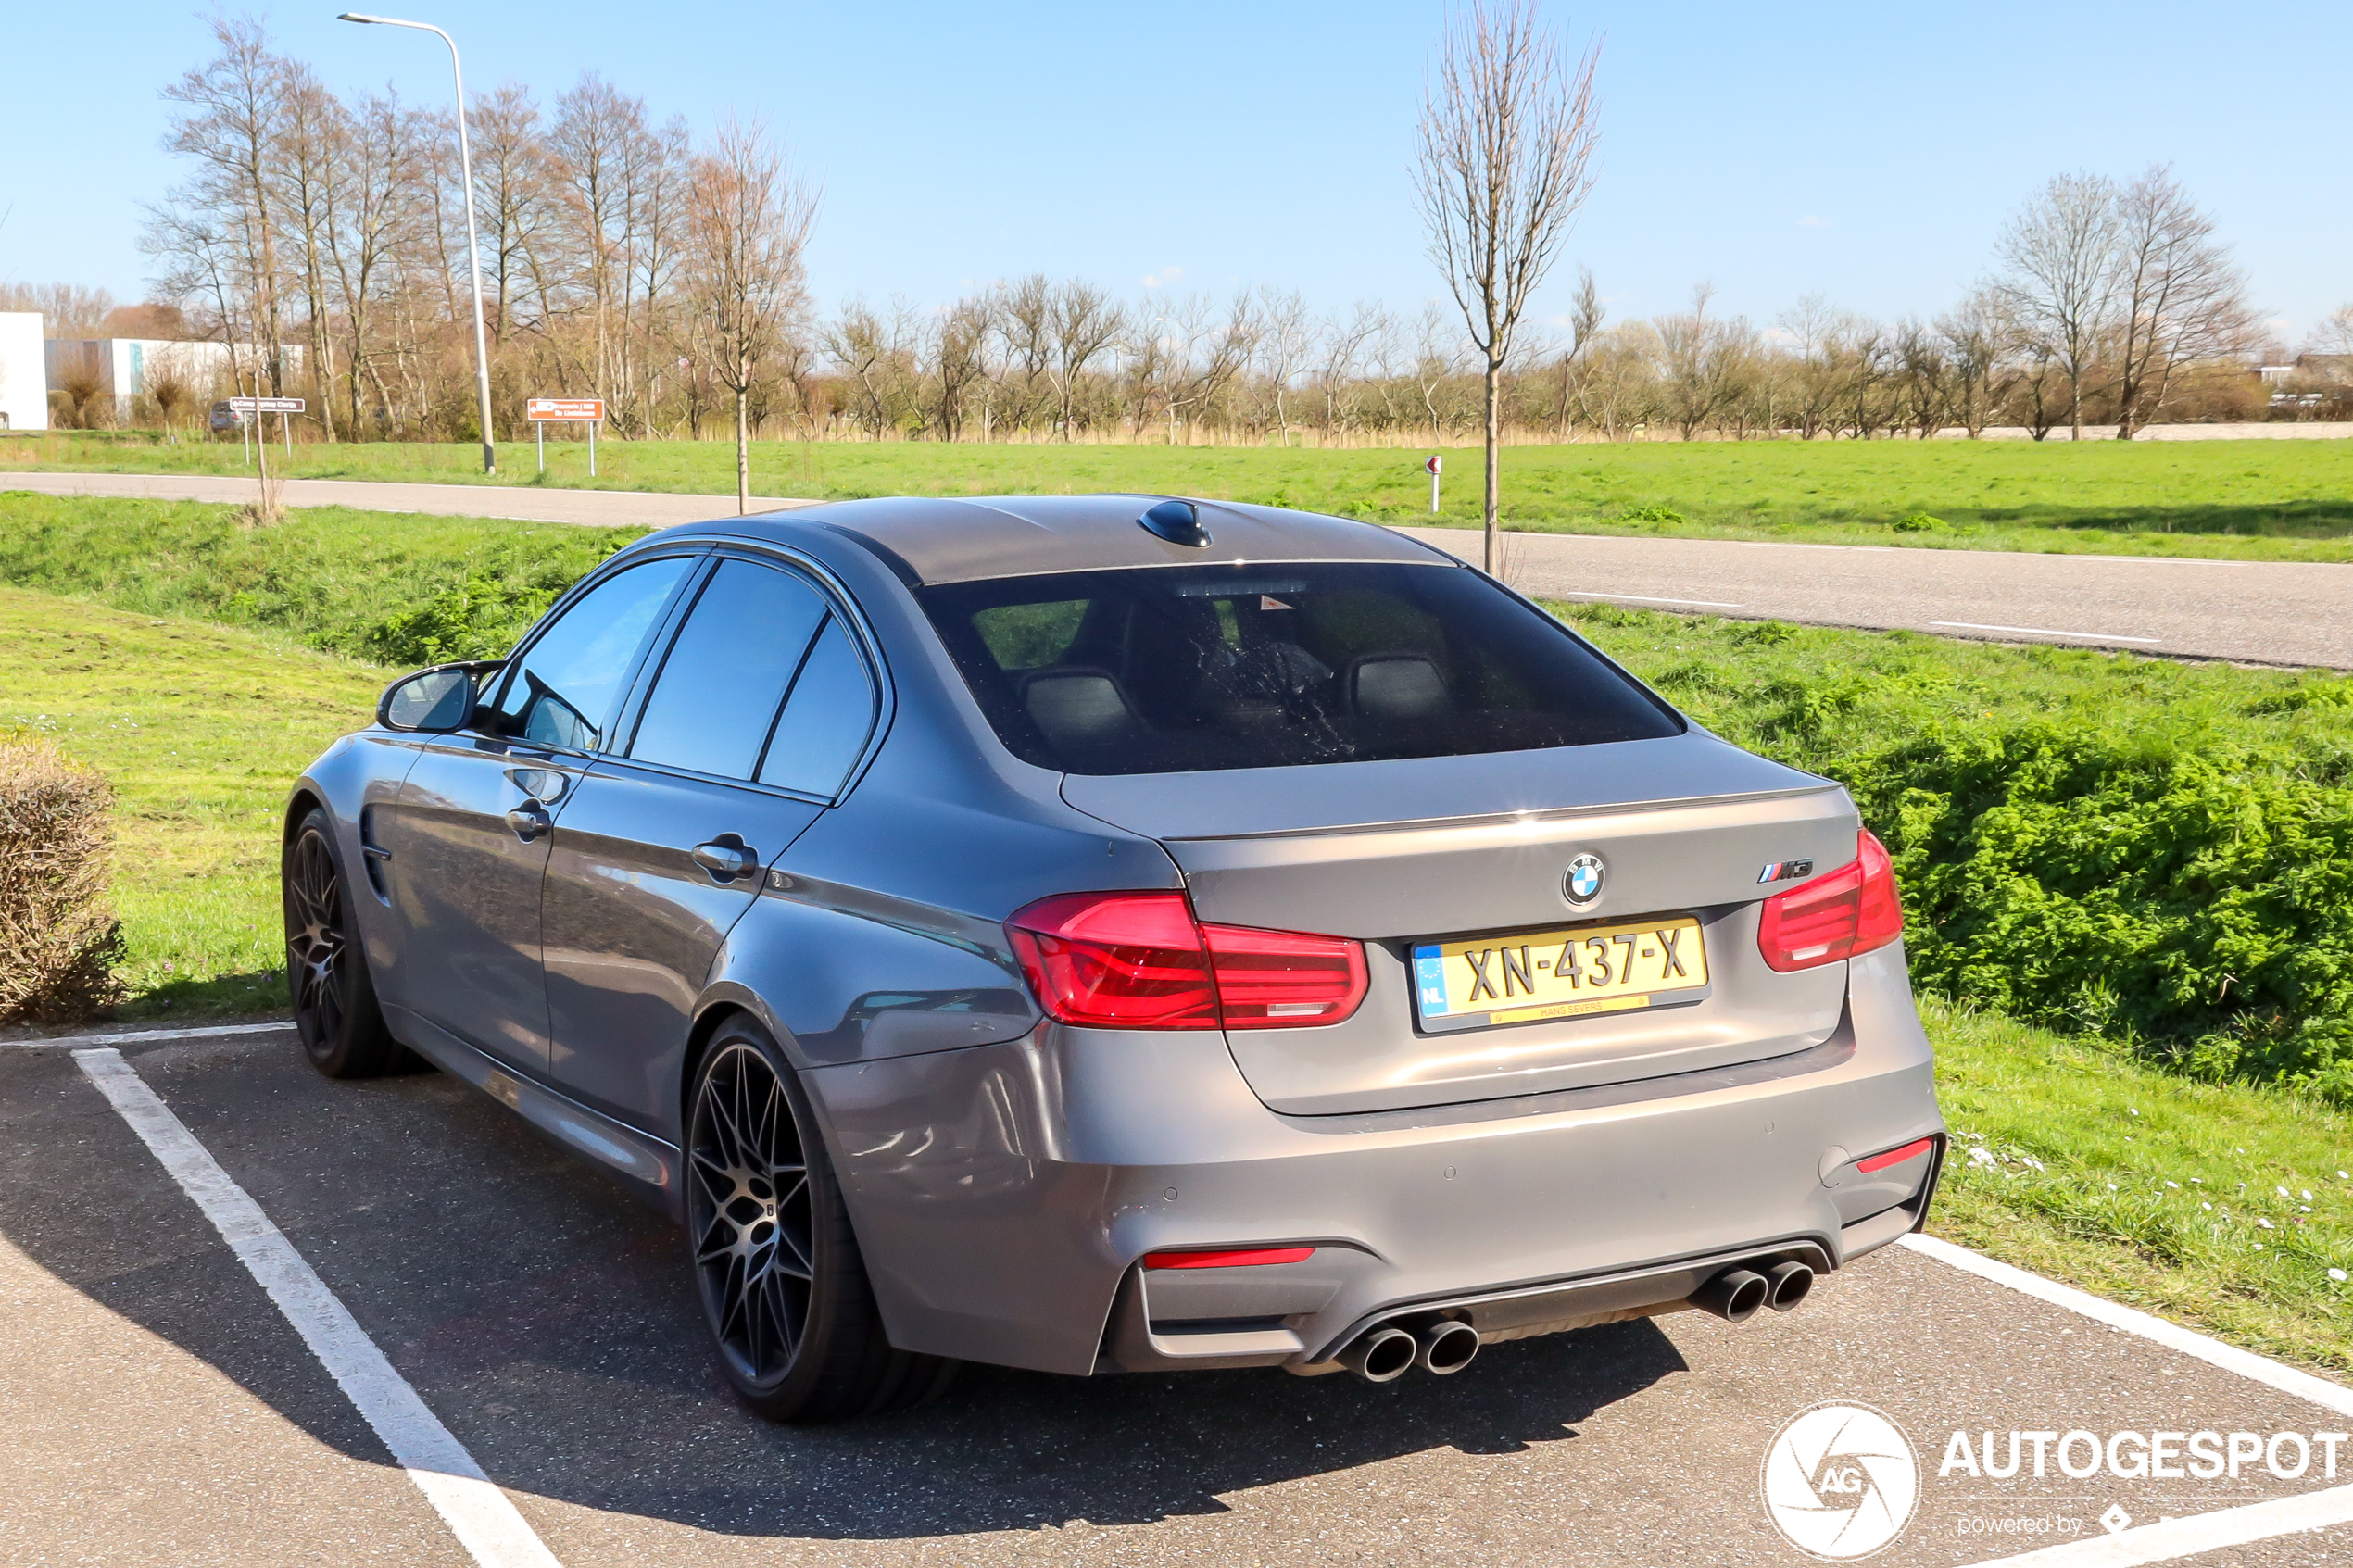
column 1840, row 1481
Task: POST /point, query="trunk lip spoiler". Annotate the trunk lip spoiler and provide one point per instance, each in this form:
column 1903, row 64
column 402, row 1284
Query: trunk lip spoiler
column 1499, row 819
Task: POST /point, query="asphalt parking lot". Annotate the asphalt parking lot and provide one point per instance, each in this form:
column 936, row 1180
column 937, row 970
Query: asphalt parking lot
column 157, row 1407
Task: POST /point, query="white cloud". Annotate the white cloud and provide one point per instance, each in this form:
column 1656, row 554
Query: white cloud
column 1166, row 278
column 1810, row 222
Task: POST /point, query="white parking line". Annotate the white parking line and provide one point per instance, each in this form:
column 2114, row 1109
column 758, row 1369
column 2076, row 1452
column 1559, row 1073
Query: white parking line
column 484, row 1518
column 1647, row 600
column 2187, row 1537
column 2176, row 1538
column 2046, row 631
column 2329, row 1396
column 132, row 1035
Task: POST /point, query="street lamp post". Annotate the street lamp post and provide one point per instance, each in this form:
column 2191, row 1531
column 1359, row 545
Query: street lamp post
column 474, row 247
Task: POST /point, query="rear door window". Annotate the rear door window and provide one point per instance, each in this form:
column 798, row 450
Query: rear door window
column 826, row 719
column 1179, row 668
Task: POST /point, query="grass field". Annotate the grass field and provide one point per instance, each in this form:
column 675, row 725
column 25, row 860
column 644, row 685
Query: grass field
column 2275, row 500
column 200, row 728
column 200, row 725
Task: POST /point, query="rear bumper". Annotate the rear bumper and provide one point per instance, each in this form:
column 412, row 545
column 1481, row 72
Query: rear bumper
column 1003, row 1194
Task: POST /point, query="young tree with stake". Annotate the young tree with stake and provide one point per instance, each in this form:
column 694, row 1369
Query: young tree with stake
column 1507, row 138
column 749, row 220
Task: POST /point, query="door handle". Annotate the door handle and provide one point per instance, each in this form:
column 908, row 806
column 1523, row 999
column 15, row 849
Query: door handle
column 529, row 821
column 727, row 857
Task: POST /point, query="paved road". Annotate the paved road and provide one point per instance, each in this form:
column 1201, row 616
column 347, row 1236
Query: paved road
column 155, row 1409
column 2258, row 612
column 2262, row 612
column 593, row 508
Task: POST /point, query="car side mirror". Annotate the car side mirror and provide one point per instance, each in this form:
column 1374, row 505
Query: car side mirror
column 436, row 701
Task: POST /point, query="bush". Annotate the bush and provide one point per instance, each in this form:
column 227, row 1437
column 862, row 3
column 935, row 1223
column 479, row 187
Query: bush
column 1656, row 512
column 58, row 937
column 2197, row 901
column 1920, row 522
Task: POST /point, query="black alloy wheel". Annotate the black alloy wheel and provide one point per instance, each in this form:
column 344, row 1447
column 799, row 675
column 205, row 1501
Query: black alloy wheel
column 753, row 1249
column 783, row 1286
column 335, row 1015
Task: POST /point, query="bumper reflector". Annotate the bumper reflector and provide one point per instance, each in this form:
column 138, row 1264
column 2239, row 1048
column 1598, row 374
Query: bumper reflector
column 1894, row 1156
column 1243, row 1258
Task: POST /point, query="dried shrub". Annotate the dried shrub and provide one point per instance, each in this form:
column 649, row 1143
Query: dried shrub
column 58, row 938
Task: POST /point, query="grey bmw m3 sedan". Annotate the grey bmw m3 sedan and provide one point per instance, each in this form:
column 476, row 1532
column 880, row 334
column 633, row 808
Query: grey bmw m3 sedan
column 1118, row 933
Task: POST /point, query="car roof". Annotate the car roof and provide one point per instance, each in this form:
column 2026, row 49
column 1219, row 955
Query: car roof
column 964, row 540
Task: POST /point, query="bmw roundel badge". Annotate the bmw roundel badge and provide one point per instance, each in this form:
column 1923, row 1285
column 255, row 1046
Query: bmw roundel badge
column 1586, row 874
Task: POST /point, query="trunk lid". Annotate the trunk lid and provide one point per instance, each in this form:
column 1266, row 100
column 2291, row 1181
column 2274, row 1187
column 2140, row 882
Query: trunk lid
column 1419, row 852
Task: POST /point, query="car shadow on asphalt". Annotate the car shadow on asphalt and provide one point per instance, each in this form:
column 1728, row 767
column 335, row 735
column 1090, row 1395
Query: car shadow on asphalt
column 549, row 1321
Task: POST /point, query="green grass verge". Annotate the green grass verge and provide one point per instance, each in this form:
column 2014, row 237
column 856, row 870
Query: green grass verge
column 2225, row 1208
column 2269, row 500
column 405, row 589
column 200, row 729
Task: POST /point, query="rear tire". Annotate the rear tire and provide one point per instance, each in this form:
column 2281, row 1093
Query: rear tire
column 783, row 1288
column 335, row 1013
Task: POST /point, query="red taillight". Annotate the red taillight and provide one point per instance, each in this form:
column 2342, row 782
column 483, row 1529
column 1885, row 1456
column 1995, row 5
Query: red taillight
column 1282, row 979
column 1837, row 915
column 1139, row 960
column 1237, row 1258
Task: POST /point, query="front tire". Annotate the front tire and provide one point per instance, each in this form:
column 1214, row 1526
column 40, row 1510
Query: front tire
column 335, row 1013
column 783, row 1290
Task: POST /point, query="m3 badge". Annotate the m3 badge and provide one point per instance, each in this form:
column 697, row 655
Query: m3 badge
column 1785, row 870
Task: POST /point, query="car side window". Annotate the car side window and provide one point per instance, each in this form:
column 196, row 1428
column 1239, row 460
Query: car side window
column 826, row 719
column 715, row 699
column 561, row 690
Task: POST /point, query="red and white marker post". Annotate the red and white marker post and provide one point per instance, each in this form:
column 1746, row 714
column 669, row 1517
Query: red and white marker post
column 1436, row 465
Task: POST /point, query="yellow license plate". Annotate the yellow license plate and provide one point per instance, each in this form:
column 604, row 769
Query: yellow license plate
column 1559, row 973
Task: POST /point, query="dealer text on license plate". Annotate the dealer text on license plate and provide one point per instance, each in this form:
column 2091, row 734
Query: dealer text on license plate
column 1559, row 973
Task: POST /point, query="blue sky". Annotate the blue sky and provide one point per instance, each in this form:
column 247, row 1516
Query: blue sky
column 1867, row 151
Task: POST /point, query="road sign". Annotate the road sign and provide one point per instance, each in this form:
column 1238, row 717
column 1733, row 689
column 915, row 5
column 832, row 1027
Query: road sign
column 266, row 405
column 1436, row 464
column 545, row 411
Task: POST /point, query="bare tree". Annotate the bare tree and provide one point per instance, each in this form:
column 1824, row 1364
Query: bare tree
column 1924, row 376
column 1286, row 343
column 1980, row 340
column 1699, row 363
column 230, row 113
column 1508, row 131
column 1081, row 324
column 1586, row 314
column 749, row 220
column 2059, row 276
column 2179, row 299
column 1343, row 343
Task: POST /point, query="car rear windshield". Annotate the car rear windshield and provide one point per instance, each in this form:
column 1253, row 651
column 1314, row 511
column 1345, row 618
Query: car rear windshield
column 1164, row 669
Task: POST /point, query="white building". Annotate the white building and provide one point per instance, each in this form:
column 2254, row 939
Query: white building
column 24, row 382
column 126, row 367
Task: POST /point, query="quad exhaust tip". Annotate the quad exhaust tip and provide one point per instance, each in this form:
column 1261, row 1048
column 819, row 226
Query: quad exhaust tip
column 1447, row 1347
column 1788, row 1283
column 1740, row 1293
column 1382, row 1356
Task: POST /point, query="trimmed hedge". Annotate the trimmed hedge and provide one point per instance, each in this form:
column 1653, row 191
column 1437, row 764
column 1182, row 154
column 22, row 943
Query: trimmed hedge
column 58, row 937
